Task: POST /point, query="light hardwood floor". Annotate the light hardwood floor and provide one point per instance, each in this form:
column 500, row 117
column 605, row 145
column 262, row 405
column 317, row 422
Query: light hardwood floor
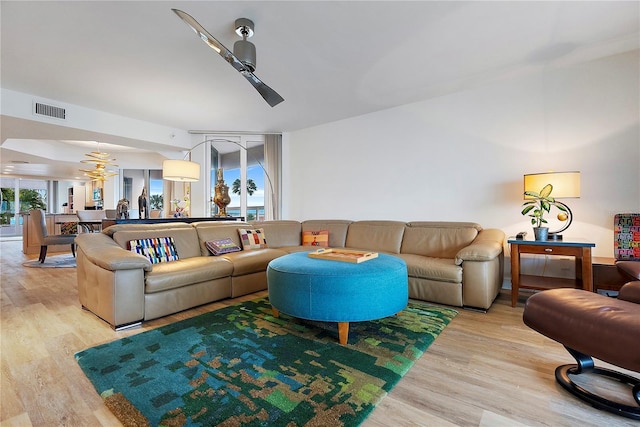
column 483, row 370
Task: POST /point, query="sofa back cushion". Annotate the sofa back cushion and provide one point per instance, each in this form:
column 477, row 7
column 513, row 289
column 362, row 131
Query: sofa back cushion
column 438, row 239
column 280, row 233
column 382, row 236
column 208, row 231
column 337, row 229
column 185, row 239
column 111, row 230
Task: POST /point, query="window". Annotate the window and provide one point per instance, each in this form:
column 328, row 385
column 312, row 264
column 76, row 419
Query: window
column 31, row 194
column 241, row 160
column 127, row 183
column 156, row 187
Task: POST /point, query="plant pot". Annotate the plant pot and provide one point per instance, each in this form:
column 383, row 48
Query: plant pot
column 541, row 233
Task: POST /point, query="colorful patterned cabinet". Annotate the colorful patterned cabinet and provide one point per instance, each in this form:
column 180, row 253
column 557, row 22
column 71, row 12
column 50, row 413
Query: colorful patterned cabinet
column 626, row 237
column 626, row 247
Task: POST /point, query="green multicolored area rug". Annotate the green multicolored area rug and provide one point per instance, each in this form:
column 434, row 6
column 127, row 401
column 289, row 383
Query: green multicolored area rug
column 241, row 366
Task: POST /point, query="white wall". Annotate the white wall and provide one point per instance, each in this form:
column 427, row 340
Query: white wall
column 137, row 184
column 462, row 157
column 110, row 126
column 62, row 195
column 111, row 191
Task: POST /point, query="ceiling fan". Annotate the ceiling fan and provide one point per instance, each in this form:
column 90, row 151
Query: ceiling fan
column 243, row 57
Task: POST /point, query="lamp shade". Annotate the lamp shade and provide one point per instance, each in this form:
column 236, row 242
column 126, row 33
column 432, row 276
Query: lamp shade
column 180, row 170
column 565, row 184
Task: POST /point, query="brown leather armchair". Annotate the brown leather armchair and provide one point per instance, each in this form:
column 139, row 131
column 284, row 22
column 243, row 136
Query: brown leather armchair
column 631, row 269
column 591, row 325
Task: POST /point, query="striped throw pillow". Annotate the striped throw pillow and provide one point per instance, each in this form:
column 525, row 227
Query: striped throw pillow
column 158, row 249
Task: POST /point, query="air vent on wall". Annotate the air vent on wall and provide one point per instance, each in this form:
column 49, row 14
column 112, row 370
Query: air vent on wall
column 49, row 111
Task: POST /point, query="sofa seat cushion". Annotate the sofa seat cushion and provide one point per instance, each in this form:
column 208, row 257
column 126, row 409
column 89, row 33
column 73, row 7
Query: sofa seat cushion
column 252, row 261
column 184, row 272
column 441, row 269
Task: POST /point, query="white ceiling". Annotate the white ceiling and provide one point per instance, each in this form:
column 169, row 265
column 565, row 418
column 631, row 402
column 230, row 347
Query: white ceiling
column 330, row 60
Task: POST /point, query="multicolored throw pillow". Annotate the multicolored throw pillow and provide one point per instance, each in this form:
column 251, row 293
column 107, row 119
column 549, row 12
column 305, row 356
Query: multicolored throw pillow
column 315, row 238
column 252, row 239
column 222, row 246
column 157, row 250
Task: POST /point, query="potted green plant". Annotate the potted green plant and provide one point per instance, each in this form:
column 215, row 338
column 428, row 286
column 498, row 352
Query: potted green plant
column 536, row 207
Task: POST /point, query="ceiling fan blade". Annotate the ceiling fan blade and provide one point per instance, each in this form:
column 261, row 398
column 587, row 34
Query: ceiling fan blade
column 213, row 43
column 269, row 95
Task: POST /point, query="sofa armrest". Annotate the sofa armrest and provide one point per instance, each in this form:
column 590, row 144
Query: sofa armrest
column 486, row 246
column 102, row 251
column 630, row 292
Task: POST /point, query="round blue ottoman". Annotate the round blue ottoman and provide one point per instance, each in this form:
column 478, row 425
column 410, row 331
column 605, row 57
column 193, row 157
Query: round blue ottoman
column 334, row 291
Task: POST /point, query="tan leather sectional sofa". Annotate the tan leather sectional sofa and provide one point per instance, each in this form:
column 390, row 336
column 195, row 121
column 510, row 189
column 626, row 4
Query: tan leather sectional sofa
column 453, row 263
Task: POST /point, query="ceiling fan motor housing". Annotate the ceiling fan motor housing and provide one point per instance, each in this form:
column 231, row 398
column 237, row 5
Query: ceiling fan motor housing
column 245, row 51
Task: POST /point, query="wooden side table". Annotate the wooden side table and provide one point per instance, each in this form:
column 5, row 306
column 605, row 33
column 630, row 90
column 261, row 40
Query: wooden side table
column 580, row 250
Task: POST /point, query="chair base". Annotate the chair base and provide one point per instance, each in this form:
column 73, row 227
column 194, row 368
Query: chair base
column 585, row 365
column 43, row 252
column 128, row 326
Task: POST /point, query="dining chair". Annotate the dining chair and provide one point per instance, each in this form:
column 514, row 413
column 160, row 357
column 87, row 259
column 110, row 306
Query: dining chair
column 43, row 238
